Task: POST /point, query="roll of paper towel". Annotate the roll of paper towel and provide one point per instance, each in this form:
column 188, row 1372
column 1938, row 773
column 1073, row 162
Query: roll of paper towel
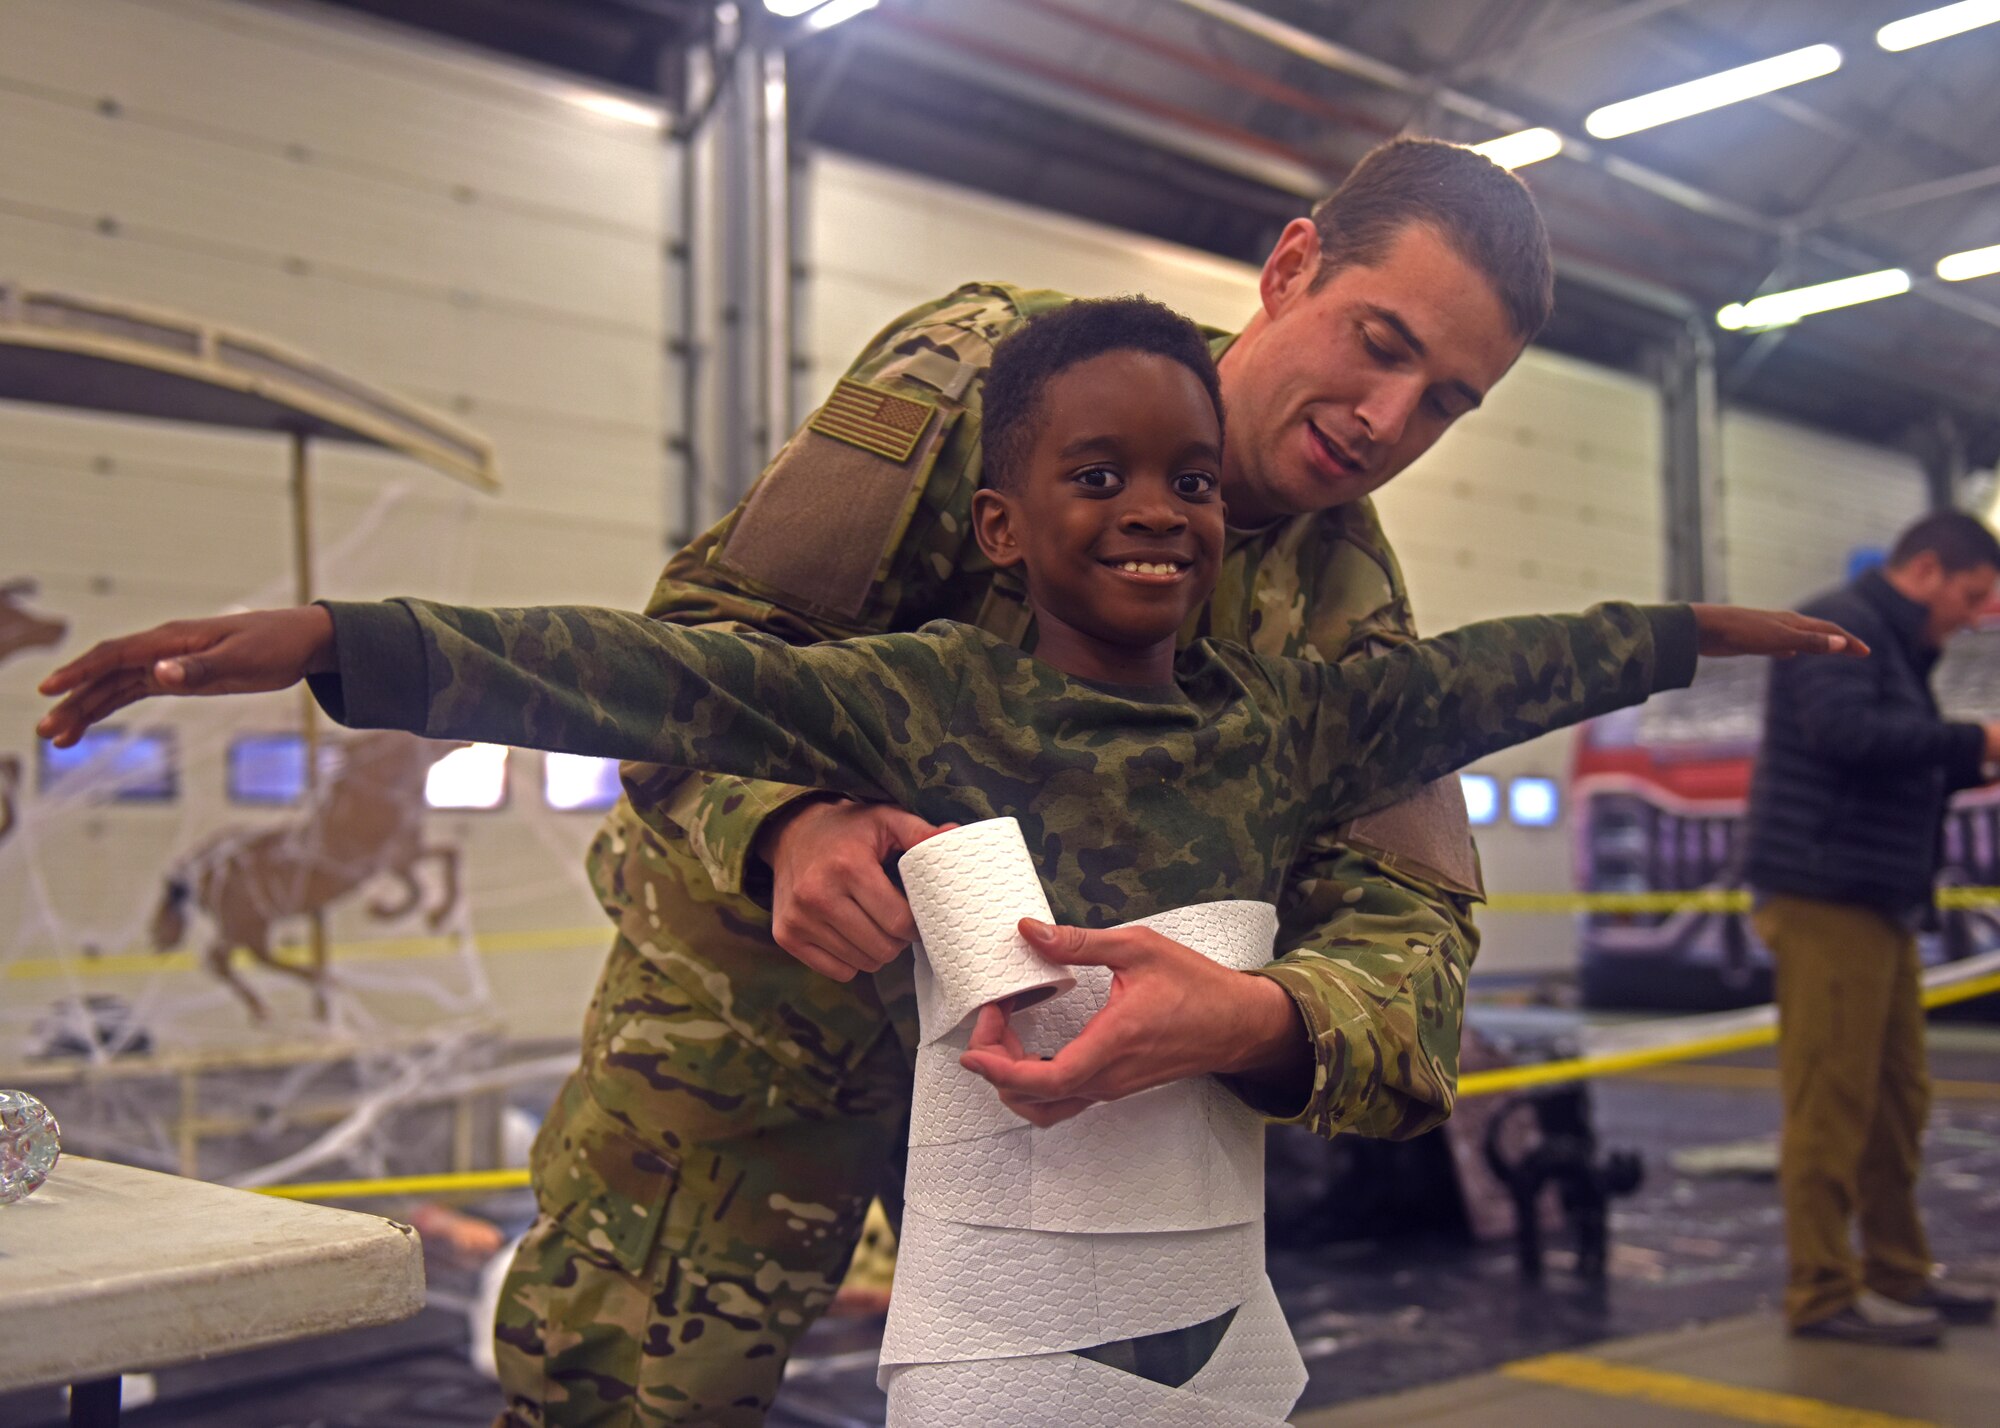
column 969, row 890
column 1137, row 1217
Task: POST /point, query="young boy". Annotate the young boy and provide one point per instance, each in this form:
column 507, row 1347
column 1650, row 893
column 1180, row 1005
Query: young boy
column 1142, row 782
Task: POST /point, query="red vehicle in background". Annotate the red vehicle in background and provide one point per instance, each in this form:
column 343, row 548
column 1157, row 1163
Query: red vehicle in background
column 1660, row 793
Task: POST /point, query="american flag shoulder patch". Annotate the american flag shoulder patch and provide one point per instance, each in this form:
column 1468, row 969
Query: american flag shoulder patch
column 887, row 423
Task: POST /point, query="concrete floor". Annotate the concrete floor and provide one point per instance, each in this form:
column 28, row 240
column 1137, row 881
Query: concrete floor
column 1742, row 1370
column 1405, row 1329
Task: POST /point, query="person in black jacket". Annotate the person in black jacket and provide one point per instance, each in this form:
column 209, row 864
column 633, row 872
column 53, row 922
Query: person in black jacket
column 1846, row 817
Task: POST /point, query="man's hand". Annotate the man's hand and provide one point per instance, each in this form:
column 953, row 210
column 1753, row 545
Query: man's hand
column 1732, row 630
column 228, row 654
column 832, row 905
column 1172, row 1014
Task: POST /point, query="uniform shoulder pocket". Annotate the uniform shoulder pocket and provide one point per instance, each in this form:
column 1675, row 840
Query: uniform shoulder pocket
column 818, row 529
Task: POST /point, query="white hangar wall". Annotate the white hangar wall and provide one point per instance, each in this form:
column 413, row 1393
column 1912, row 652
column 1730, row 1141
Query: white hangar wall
column 437, row 223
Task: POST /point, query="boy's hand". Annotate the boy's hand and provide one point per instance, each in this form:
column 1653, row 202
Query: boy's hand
column 1732, row 630
column 228, row 654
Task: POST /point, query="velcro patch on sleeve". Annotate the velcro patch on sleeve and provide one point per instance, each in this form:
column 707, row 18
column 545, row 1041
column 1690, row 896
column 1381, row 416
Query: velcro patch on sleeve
column 1427, row 834
column 890, row 424
column 815, row 527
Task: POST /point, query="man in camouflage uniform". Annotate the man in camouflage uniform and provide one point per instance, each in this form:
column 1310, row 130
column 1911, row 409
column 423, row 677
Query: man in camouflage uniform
column 703, row 1175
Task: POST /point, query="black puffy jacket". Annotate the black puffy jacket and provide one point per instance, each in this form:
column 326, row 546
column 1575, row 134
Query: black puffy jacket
column 1848, row 800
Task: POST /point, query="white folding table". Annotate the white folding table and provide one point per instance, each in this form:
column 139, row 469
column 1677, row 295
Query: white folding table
column 107, row 1270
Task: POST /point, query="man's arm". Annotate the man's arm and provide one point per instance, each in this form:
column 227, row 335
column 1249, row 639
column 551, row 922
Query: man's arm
column 1376, row 971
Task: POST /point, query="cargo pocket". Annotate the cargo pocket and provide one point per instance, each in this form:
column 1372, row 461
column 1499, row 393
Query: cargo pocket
column 607, row 1189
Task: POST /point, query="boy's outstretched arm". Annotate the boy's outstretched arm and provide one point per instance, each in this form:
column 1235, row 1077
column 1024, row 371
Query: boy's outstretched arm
column 251, row 653
column 1388, row 725
column 565, row 678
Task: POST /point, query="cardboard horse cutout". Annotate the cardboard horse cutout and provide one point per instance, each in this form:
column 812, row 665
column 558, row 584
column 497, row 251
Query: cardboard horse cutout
column 365, row 822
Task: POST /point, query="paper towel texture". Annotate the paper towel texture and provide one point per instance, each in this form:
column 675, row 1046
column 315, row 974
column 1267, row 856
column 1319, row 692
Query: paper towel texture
column 969, row 890
column 972, row 1291
column 1037, row 1391
column 1137, row 1217
column 1188, row 1156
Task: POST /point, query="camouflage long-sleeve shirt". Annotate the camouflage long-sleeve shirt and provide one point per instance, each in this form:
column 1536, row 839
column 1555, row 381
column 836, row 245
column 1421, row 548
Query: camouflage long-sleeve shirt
column 1133, row 802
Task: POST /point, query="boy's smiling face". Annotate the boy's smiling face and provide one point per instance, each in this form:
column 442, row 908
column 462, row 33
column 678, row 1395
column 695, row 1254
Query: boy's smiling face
column 1115, row 514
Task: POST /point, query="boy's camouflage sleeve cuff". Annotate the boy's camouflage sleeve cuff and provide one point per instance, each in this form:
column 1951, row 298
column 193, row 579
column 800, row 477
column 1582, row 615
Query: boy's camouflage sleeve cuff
column 1676, row 645
column 381, row 677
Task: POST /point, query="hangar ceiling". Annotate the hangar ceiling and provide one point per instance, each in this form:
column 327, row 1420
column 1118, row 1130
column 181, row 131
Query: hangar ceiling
column 1211, row 122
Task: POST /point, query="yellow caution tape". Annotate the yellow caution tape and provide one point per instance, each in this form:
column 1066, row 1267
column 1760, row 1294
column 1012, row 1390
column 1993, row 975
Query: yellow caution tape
column 1578, row 1068
column 383, row 949
column 1699, row 900
column 1480, row 1083
column 460, row 1182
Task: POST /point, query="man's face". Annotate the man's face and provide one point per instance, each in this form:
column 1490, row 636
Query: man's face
column 1337, row 390
column 1957, row 598
column 1116, row 515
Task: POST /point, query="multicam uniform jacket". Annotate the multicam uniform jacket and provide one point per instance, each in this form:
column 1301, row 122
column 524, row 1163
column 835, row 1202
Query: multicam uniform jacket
column 1377, row 923
column 1133, row 802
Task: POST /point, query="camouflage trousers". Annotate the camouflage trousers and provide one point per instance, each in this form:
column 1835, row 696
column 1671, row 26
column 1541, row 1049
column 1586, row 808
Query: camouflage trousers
column 698, row 1204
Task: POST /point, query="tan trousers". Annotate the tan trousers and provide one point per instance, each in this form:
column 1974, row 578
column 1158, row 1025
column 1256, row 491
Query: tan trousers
column 1856, row 1091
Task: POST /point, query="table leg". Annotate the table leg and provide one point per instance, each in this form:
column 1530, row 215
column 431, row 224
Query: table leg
column 94, row 1404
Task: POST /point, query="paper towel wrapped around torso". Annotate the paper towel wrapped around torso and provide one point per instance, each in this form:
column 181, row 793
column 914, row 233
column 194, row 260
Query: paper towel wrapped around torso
column 1139, row 1216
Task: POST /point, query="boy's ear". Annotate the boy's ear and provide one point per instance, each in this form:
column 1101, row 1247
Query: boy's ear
column 993, row 526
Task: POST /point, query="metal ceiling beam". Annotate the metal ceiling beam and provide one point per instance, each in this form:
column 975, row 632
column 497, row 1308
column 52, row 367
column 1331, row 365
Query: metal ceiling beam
column 1342, row 59
column 1080, row 103
column 1202, row 147
column 1889, row 200
column 1589, row 27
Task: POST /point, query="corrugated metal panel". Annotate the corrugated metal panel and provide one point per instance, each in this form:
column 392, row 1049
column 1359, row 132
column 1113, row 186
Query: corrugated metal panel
column 1799, row 501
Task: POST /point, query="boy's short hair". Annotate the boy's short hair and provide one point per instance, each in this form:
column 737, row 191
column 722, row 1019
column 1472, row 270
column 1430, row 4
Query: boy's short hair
column 1959, row 541
column 1484, row 212
column 1027, row 358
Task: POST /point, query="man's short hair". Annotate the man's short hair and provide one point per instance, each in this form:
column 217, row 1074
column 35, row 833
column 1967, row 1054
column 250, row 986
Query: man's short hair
column 1484, row 212
column 1027, row 359
column 1958, row 540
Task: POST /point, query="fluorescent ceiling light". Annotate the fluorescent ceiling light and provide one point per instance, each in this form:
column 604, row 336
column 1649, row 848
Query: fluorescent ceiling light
column 832, row 13
column 1530, row 146
column 612, row 107
column 1779, row 309
column 1973, row 263
column 1914, row 30
column 1663, row 106
column 789, row 8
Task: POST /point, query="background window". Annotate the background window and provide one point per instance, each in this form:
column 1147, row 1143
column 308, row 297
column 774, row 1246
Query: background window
column 131, row 766
column 572, row 782
column 1533, row 802
column 1482, row 798
column 267, row 769
column 474, row 777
